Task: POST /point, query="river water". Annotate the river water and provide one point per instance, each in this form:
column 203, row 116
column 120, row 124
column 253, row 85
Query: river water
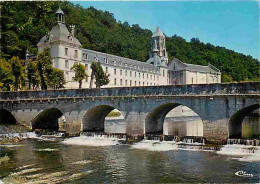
column 72, row 161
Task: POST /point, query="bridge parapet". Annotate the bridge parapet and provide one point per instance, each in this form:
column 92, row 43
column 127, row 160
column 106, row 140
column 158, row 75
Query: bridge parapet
column 247, row 88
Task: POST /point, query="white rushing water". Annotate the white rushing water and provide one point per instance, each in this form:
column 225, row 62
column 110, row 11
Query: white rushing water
column 153, row 145
column 26, row 135
column 246, row 152
column 91, row 141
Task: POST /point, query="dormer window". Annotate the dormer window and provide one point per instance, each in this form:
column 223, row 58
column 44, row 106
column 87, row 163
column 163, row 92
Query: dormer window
column 66, row 51
column 114, row 62
column 105, row 60
column 125, row 65
column 76, row 54
column 96, row 59
column 85, row 55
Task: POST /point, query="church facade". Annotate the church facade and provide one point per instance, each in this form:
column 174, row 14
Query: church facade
column 66, row 50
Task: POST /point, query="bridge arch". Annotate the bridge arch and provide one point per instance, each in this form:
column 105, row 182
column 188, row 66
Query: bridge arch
column 155, row 121
column 47, row 119
column 235, row 122
column 94, row 119
column 7, row 117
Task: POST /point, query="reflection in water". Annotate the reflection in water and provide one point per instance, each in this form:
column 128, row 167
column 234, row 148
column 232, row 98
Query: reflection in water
column 118, row 164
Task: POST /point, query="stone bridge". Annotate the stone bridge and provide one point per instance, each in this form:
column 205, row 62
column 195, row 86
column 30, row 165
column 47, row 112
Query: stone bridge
column 222, row 107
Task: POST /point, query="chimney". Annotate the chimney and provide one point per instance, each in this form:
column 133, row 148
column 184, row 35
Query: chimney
column 72, row 27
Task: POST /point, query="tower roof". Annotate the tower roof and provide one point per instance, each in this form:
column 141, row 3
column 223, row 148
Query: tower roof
column 61, row 33
column 158, row 32
column 59, row 11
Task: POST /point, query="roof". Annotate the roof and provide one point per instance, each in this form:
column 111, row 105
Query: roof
column 158, row 32
column 60, row 32
column 119, row 61
column 59, row 11
column 198, row 68
column 155, row 60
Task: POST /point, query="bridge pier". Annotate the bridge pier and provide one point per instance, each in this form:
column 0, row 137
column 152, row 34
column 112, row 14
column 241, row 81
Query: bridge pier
column 215, row 130
column 135, row 122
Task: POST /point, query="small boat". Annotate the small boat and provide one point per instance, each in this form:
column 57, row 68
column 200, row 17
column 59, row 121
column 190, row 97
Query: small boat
column 244, row 174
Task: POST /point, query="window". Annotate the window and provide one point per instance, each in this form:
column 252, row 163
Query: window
column 121, row 82
column 125, row 72
column 130, row 83
column 147, row 84
column 126, row 82
column 106, row 69
column 139, row 83
column 163, row 72
column 139, row 74
column 66, row 64
column 143, row 83
column 130, row 73
column 105, row 60
column 157, row 77
column 66, row 51
column 143, row 75
column 151, row 77
column 115, row 81
column 147, row 76
column 151, row 84
column 135, row 74
column 76, row 54
column 86, row 55
column 174, row 66
column 120, row 72
column 96, row 59
column 135, row 83
column 115, row 71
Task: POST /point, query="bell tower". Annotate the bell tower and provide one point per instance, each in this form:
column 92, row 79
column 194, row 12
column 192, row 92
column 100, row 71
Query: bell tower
column 158, row 46
column 60, row 18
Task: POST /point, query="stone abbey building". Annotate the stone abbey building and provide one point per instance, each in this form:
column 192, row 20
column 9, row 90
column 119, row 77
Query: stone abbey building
column 157, row 70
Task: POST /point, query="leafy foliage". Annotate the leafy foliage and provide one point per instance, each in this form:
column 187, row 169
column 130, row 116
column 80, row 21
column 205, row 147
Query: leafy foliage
column 18, row 71
column 56, row 79
column 23, row 24
column 6, row 77
column 80, row 73
column 101, row 77
column 44, row 66
column 32, row 75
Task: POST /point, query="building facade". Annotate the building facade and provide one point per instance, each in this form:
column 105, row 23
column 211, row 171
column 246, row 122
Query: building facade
column 183, row 73
column 66, row 50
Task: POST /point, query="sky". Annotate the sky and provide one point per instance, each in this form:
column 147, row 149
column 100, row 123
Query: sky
column 231, row 24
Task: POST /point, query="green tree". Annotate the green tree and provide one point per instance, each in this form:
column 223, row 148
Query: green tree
column 98, row 73
column 6, row 76
column 80, row 73
column 226, row 78
column 18, row 70
column 32, row 74
column 44, row 66
column 56, row 79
